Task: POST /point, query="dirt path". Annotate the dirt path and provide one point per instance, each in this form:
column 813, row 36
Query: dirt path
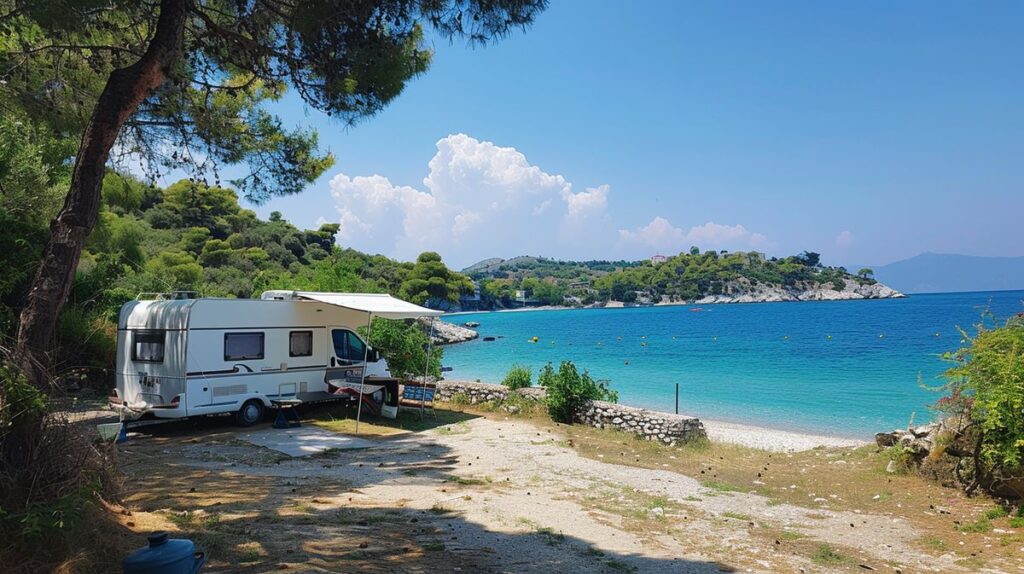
column 483, row 495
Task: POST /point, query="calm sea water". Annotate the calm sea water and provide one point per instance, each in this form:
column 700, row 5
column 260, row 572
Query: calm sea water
column 848, row 368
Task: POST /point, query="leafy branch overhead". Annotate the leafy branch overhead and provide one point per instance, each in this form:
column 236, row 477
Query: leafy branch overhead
column 188, row 84
column 345, row 58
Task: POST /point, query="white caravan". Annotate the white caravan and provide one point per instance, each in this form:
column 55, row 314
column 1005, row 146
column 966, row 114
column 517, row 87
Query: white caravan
column 182, row 357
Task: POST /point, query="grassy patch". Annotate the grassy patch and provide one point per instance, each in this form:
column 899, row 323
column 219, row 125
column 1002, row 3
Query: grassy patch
column 791, row 535
column 341, row 419
column 183, row 520
column 433, row 547
column 982, row 525
column 720, row 486
column 737, row 516
column 825, row 555
column 1012, row 539
column 439, row 509
column 996, row 513
column 551, row 536
column 935, row 543
column 249, row 556
column 1017, row 522
column 453, row 429
column 467, row 481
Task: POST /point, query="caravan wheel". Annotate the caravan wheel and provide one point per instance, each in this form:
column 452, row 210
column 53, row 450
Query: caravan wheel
column 250, row 413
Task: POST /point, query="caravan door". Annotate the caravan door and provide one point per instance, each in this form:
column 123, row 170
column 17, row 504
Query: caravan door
column 347, row 353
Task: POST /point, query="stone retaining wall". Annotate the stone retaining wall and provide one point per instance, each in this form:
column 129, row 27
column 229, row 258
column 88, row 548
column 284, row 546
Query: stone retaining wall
column 476, row 393
column 662, row 427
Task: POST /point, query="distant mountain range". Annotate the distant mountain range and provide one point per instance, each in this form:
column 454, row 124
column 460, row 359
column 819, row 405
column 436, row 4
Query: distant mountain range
column 941, row 273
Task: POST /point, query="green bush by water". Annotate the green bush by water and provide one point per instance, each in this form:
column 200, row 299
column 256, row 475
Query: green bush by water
column 518, row 377
column 568, row 390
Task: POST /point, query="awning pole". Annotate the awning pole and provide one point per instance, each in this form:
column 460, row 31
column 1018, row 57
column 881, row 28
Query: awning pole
column 362, row 378
column 426, row 368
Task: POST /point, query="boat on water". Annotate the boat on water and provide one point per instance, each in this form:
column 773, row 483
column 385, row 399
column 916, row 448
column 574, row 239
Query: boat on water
column 471, row 324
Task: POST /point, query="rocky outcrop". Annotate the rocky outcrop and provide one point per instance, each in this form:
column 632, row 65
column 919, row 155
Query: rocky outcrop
column 652, row 425
column 918, row 440
column 446, row 333
column 739, row 293
column 944, row 452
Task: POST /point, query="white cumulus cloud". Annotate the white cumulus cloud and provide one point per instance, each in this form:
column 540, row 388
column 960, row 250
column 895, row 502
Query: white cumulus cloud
column 478, row 200
column 590, row 202
column 482, row 200
column 661, row 236
column 844, row 239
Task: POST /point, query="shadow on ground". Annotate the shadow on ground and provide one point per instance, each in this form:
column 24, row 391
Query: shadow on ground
column 254, row 510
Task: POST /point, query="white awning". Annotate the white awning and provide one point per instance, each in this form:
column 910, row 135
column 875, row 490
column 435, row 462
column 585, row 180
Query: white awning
column 376, row 304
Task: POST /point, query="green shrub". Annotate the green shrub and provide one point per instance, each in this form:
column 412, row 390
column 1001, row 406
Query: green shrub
column 982, row 525
column 518, row 377
column 86, row 339
column 517, row 403
column 996, row 513
column 826, row 556
column 404, row 346
column 901, row 457
column 987, row 384
column 568, row 390
column 50, row 472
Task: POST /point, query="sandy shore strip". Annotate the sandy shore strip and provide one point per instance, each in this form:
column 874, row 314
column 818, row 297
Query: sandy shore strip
column 772, row 439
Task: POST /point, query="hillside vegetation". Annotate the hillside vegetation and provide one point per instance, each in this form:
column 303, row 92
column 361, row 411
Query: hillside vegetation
column 685, row 277
column 194, row 237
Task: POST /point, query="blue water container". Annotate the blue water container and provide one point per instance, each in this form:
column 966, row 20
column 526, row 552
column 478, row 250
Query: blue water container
column 164, row 556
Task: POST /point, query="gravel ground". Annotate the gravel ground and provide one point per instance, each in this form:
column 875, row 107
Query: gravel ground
column 508, row 496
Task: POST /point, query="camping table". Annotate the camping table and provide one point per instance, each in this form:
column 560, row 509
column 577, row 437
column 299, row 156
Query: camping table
column 361, row 391
column 286, row 415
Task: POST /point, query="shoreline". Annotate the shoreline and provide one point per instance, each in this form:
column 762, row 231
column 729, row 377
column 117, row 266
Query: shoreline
column 621, row 305
column 739, row 433
column 773, row 440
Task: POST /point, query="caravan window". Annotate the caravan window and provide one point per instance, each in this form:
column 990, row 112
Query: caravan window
column 148, row 346
column 243, row 346
column 300, row 344
column 347, row 346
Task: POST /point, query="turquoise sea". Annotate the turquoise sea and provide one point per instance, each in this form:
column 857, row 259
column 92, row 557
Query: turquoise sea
column 847, row 368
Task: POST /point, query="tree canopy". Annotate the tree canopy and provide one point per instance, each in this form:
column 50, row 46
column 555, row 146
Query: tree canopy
column 151, row 243
column 345, row 58
column 687, row 276
column 174, row 84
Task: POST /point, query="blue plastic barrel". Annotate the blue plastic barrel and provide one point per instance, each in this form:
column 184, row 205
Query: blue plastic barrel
column 164, row 556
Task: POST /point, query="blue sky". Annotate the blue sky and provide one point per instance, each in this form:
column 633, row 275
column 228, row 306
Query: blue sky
column 867, row 131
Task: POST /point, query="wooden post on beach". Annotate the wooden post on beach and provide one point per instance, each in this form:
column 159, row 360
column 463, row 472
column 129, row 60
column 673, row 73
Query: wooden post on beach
column 677, row 398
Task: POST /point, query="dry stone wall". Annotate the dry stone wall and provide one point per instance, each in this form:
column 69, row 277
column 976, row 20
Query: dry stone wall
column 652, row 425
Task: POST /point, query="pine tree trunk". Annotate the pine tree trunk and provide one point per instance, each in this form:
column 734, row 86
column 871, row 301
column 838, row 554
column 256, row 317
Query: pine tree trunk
column 125, row 90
